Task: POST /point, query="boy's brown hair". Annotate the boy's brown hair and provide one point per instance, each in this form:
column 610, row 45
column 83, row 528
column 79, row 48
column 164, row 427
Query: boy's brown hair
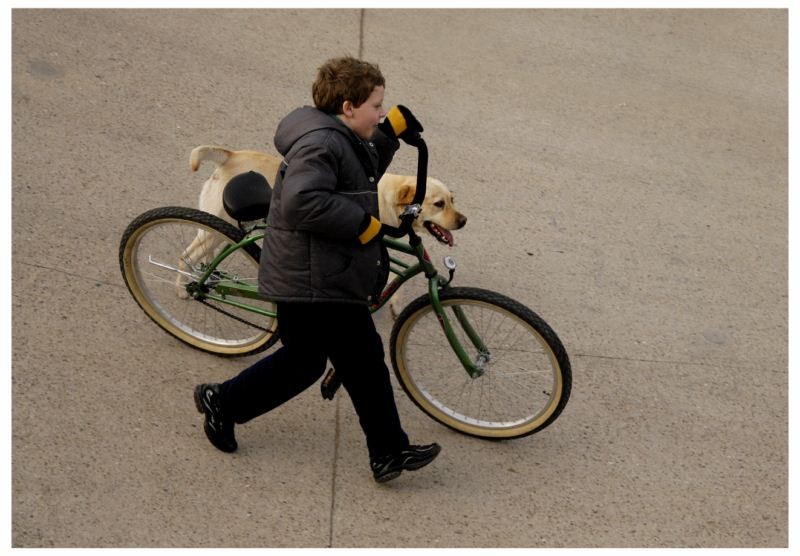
column 346, row 78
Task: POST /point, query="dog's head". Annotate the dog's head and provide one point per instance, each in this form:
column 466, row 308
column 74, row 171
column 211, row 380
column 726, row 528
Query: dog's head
column 438, row 215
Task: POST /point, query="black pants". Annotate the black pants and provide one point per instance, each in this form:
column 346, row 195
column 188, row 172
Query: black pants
column 312, row 333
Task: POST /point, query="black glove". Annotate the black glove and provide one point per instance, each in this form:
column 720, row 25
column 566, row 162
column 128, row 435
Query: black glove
column 401, row 123
column 372, row 229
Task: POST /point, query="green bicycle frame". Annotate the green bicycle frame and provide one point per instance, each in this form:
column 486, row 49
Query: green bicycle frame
column 233, row 287
column 435, row 283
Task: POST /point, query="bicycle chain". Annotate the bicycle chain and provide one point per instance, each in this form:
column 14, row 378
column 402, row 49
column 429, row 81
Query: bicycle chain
column 234, row 317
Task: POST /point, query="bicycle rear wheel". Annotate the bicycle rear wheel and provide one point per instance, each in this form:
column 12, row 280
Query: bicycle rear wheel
column 526, row 377
column 163, row 254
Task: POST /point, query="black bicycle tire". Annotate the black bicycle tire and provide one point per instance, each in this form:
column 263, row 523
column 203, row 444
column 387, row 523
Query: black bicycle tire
column 173, row 213
column 510, row 305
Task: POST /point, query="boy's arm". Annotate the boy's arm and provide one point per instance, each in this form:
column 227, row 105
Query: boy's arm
column 399, row 123
column 386, row 145
column 308, row 199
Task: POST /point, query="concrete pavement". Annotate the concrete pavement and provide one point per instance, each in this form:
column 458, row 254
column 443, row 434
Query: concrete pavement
column 624, row 174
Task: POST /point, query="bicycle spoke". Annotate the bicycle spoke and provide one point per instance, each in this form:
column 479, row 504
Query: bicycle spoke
column 517, row 377
column 170, row 249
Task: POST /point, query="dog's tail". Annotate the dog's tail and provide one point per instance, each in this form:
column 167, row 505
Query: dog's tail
column 217, row 155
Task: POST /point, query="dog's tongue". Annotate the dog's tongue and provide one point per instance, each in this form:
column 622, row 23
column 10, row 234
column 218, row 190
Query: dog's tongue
column 447, row 236
column 440, row 233
column 444, row 235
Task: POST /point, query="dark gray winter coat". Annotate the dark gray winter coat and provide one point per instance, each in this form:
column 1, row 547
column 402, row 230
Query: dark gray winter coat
column 326, row 186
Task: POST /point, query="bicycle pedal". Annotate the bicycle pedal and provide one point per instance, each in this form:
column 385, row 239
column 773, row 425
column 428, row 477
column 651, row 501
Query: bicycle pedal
column 330, row 384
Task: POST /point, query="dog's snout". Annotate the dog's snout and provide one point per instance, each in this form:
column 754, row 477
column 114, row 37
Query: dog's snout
column 461, row 221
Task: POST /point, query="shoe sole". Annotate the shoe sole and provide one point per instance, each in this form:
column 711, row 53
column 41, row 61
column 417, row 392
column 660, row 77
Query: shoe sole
column 410, row 467
column 198, row 398
column 388, row 477
column 198, row 403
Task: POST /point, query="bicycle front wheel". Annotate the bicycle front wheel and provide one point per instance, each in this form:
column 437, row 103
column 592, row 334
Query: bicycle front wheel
column 525, row 376
column 163, row 255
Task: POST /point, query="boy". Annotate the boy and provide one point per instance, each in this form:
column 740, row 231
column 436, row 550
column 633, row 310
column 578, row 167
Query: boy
column 322, row 261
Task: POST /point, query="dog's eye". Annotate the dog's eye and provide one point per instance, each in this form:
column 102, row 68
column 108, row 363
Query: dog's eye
column 439, row 204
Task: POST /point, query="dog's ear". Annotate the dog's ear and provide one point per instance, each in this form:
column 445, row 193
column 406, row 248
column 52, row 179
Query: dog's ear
column 406, row 194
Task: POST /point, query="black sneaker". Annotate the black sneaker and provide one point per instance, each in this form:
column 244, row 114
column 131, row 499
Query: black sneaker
column 389, row 467
column 219, row 430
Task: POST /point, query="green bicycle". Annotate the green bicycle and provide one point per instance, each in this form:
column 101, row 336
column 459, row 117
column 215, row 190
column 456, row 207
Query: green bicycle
column 474, row 360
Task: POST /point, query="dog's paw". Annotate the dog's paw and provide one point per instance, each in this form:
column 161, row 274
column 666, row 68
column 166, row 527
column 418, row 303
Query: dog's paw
column 394, row 307
column 180, row 291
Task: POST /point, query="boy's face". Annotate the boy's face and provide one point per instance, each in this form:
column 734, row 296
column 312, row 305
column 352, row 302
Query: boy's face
column 363, row 120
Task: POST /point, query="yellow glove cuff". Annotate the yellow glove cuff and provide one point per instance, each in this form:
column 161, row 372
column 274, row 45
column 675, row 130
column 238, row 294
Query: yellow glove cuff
column 372, row 230
column 397, row 120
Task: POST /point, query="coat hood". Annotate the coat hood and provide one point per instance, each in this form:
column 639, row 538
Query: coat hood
column 302, row 121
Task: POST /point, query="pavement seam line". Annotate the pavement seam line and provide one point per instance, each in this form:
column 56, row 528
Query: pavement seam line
column 361, row 34
column 587, row 355
column 67, row 273
column 334, row 466
column 661, row 361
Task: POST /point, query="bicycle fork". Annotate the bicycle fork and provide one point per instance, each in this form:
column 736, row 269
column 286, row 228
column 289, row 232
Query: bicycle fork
column 477, row 367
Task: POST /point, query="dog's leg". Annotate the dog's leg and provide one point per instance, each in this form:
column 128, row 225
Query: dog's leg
column 202, row 250
column 188, row 254
column 395, row 306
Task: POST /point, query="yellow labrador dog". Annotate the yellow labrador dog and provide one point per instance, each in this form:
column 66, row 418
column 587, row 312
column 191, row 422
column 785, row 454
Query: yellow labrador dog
column 438, row 216
column 395, row 192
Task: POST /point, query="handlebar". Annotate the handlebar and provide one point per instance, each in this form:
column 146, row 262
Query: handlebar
column 412, row 211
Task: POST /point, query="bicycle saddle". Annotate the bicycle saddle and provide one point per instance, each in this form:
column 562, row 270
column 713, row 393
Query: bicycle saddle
column 247, row 196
